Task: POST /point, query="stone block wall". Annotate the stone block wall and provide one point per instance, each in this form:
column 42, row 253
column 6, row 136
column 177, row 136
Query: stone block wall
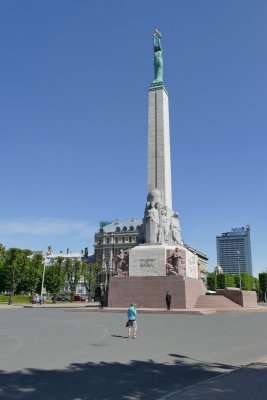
column 244, row 298
column 150, row 292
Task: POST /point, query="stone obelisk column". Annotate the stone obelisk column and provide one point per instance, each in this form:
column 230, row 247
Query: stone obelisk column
column 160, row 223
column 159, row 158
column 157, row 261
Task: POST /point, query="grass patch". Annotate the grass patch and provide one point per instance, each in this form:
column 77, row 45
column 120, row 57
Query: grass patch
column 18, row 299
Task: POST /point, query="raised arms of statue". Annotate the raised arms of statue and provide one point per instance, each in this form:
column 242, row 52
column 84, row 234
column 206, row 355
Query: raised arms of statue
column 158, row 60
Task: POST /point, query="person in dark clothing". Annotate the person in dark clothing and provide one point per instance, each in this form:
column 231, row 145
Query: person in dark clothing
column 102, row 300
column 168, row 300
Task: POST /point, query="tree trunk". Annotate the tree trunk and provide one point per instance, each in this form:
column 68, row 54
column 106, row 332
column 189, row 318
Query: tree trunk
column 11, row 297
column 72, row 294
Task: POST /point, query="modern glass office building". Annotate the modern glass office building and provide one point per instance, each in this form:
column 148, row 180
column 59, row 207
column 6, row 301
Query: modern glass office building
column 234, row 251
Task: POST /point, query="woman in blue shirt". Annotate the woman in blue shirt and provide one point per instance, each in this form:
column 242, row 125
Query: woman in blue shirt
column 132, row 324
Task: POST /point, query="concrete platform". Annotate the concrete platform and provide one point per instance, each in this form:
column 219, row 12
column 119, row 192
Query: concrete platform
column 94, row 307
column 193, row 311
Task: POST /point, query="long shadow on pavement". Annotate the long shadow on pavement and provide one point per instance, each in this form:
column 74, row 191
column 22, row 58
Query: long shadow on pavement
column 101, row 381
column 244, row 384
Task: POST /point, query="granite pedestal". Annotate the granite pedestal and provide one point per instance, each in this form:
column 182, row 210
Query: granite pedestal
column 150, row 291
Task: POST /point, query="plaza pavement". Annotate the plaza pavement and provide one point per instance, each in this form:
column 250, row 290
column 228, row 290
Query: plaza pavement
column 75, row 352
column 248, row 382
column 94, row 307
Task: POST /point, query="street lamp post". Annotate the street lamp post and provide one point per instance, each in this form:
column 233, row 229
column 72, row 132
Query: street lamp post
column 238, row 263
column 106, row 276
column 42, row 286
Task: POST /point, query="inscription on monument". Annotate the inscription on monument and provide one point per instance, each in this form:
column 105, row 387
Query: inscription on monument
column 147, row 262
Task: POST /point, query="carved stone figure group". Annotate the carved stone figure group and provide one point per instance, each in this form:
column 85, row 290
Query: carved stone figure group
column 160, row 224
column 175, row 264
column 122, row 263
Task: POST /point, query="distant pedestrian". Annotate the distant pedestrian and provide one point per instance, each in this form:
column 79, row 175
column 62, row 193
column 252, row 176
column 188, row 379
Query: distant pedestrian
column 131, row 323
column 44, row 299
column 41, row 299
column 168, row 300
column 102, row 300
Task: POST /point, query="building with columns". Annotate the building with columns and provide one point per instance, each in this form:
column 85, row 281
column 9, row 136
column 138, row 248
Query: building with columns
column 114, row 236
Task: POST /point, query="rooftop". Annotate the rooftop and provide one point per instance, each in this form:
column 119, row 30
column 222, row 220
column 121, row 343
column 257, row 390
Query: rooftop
column 126, row 225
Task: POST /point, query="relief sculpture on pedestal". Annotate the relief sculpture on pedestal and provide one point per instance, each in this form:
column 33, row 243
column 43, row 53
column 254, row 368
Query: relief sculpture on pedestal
column 175, row 263
column 122, row 263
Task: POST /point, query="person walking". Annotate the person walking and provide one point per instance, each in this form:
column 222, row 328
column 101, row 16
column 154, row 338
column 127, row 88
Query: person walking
column 168, row 300
column 131, row 323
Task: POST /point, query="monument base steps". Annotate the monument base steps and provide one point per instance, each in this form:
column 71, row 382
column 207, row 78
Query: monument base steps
column 215, row 302
column 150, row 291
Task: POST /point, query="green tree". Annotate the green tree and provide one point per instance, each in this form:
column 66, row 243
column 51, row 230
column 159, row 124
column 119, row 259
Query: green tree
column 212, row 281
column 35, row 273
column 74, row 270
column 2, row 259
column 248, row 282
column 14, row 269
column 2, row 249
column 225, row 280
column 90, row 272
column 256, row 286
column 262, row 285
column 55, row 277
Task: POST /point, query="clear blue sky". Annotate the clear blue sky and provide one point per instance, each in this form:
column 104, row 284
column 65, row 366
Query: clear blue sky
column 73, row 117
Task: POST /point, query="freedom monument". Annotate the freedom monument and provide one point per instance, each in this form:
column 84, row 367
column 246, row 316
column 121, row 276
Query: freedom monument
column 161, row 262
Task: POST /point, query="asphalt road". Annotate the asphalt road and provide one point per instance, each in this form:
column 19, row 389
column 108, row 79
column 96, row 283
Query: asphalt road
column 70, row 355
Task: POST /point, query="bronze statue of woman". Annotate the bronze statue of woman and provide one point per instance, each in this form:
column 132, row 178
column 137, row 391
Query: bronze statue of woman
column 158, row 60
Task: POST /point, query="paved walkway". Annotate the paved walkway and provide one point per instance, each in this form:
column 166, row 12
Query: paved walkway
column 51, row 350
column 249, row 382
column 94, row 307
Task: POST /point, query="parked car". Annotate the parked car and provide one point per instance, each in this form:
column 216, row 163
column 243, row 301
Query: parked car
column 62, row 298
column 210, row 292
column 79, row 297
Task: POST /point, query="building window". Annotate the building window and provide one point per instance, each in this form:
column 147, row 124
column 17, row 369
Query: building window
column 124, row 229
column 116, row 240
column 127, row 238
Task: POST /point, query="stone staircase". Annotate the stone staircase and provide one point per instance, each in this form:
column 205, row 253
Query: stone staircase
column 215, row 302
